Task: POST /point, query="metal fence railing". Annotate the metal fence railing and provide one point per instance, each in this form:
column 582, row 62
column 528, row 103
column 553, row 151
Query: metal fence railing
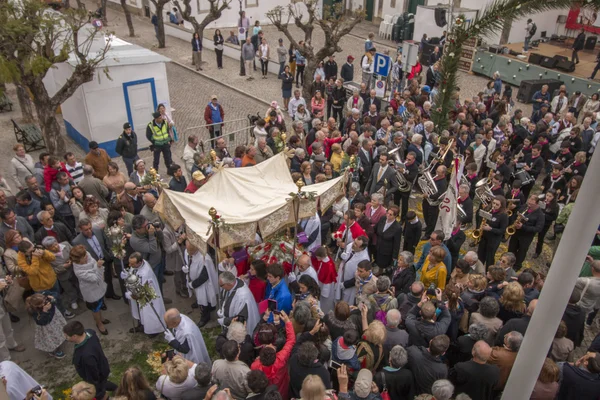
column 237, row 132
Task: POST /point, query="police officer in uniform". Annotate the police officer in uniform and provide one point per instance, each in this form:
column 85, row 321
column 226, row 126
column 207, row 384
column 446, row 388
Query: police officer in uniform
column 157, row 133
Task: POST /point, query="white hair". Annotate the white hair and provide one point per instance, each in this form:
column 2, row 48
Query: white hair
column 428, row 124
column 299, row 152
column 471, row 255
column 407, row 257
column 237, row 332
column 525, row 121
column 377, row 197
column 427, row 103
column 417, row 137
column 393, row 318
column 49, row 241
column 442, row 389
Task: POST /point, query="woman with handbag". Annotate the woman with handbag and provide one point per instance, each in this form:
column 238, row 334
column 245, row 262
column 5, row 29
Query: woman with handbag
column 48, row 324
column 90, row 274
column 218, row 41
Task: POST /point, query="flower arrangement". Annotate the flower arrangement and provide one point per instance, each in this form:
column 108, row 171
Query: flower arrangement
column 154, row 360
column 116, row 237
column 280, row 142
column 350, row 162
column 276, row 249
column 302, row 195
column 337, row 235
column 152, row 178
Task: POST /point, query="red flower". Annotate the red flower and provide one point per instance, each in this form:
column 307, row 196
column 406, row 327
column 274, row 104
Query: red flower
column 282, row 247
column 287, row 267
column 217, row 216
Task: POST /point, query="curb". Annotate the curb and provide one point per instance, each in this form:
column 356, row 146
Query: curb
column 221, row 82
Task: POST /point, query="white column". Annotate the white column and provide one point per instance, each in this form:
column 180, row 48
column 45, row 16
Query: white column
column 569, row 257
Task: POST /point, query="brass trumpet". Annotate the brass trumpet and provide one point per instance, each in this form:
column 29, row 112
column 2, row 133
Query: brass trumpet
column 478, row 233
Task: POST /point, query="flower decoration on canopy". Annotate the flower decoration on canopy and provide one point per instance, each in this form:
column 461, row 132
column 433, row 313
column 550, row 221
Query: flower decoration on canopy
column 302, row 194
column 152, row 178
column 280, row 142
column 459, row 21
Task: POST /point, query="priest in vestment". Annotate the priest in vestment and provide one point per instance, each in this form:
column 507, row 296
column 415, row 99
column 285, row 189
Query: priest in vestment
column 148, row 321
column 236, row 301
column 202, row 280
column 185, row 337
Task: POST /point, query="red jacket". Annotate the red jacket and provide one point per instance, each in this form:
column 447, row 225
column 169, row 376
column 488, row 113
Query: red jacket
column 257, row 286
column 355, row 229
column 50, row 175
column 328, row 143
column 374, row 220
column 325, row 270
column 278, row 372
column 208, row 114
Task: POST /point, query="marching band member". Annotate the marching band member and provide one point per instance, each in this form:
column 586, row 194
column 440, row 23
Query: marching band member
column 471, row 176
column 578, row 167
column 493, row 232
column 526, row 227
column 572, row 188
column 554, row 180
column 534, row 164
column 564, row 156
column 430, row 207
column 515, row 199
column 502, row 168
column 410, row 172
column 550, row 214
column 466, row 203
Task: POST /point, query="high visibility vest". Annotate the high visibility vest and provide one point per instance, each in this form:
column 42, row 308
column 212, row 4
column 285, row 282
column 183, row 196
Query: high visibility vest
column 160, row 134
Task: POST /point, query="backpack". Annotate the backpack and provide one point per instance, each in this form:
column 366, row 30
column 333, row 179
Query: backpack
column 533, row 29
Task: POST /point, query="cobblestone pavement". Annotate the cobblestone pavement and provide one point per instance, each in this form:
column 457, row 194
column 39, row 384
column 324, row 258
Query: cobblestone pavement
column 266, row 90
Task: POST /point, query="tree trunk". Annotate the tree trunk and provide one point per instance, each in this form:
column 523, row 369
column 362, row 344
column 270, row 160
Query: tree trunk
column 128, row 18
column 161, row 25
column 46, row 113
column 80, row 5
column 506, row 31
column 24, row 103
column 104, row 18
column 309, row 72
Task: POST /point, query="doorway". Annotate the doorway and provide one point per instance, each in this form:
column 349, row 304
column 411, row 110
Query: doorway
column 140, row 103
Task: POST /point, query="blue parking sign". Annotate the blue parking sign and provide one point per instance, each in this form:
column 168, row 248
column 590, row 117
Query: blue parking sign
column 383, row 64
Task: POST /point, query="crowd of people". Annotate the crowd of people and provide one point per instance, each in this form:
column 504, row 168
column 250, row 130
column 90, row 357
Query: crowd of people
column 371, row 312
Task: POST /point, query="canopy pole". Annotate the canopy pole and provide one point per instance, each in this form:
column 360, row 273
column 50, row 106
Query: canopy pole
column 214, row 220
column 565, row 269
column 296, row 200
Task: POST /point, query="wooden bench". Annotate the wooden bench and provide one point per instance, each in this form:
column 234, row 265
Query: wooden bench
column 30, row 135
column 5, row 103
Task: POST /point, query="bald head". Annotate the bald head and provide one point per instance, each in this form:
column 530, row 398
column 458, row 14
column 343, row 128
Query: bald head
column 172, row 318
column 303, row 262
column 481, row 351
column 149, row 200
column 130, row 186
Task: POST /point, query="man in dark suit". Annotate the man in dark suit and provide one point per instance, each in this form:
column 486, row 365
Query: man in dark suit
column 389, row 233
column 415, row 147
column 372, row 99
column 578, row 45
column 412, row 232
column 51, row 228
column 382, row 175
column 365, row 155
column 96, row 243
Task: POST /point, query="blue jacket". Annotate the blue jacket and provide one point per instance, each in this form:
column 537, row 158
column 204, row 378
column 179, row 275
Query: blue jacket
column 447, row 259
column 539, row 95
column 196, row 44
column 282, row 294
column 498, row 86
column 300, row 60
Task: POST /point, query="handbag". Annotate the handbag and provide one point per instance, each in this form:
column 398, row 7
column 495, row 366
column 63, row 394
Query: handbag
column 23, row 281
column 13, row 298
column 385, row 395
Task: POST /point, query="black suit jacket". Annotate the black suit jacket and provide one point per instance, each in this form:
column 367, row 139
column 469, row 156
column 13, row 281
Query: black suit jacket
column 419, row 155
column 373, row 185
column 467, row 206
column 63, row 233
column 388, row 241
column 102, row 239
column 368, row 103
column 366, row 164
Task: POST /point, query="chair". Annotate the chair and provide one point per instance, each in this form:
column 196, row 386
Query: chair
column 385, row 26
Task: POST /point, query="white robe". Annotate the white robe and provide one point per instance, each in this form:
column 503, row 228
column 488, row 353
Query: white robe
column 241, row 298
column 188, row 330
column 312, row 226
column 147, row 317
column 206, row 294
column 18, row 382
column 310, row 271
column 347, row 271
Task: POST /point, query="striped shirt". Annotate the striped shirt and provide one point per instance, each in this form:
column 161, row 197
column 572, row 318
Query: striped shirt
column 76, row 172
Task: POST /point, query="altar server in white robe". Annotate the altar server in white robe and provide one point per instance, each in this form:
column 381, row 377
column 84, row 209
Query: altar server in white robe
column 312, row 228
column 354, row 253
column 202, row 280
column 185, row 337
column 149, row 321
column 236, row 300
column 18, row 382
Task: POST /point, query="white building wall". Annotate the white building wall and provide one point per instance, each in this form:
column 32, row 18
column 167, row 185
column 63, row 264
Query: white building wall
column 256, row 10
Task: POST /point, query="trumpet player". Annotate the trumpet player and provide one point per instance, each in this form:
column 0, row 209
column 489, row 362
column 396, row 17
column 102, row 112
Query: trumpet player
column 410, row 172
column 528, row 224
column 431, row 208
column 534, row 164
column 516, row 199
column 493, row 231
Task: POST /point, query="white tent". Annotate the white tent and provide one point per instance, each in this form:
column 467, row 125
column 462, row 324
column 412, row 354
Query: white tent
column 247, row 200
